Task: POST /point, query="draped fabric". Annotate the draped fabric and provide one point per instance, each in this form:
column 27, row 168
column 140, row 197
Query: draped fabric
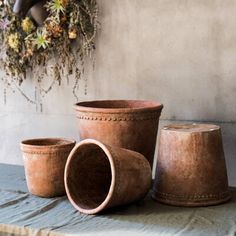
column 24, row 214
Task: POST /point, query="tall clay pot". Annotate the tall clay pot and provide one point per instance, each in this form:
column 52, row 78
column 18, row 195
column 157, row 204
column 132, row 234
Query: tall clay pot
column 98, row 176
column 44, row 162
column 129, row 124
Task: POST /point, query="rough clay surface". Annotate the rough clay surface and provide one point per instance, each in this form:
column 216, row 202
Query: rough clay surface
column 191, row 168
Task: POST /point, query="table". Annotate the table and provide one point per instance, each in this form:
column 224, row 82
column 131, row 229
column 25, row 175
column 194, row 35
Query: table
column 24, row 214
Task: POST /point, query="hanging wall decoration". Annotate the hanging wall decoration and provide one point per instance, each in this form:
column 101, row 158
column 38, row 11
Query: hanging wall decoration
column 38, row 33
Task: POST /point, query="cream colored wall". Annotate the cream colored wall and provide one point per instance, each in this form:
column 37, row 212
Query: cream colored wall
column 179, row 52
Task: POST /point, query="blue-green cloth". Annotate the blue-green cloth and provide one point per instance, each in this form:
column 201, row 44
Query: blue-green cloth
column 24, row 214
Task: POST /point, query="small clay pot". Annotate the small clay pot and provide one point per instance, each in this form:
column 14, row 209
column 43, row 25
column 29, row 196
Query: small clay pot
column 98, row 176
column 191, row 168
column 129, row 124
column 44, row 162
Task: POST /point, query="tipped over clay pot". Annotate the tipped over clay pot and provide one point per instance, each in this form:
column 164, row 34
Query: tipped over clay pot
column 98, row 176
column 130, row 124
column 44, row 162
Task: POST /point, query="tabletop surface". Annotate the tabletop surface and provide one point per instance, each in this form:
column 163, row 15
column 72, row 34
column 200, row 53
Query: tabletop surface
column 24, row 214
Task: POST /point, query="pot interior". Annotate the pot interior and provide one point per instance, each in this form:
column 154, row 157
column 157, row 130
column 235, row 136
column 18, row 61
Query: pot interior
column 119, row 104
column 46, row 142
column 89, row 176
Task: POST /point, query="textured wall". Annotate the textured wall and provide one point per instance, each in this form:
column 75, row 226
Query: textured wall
column 179, row 52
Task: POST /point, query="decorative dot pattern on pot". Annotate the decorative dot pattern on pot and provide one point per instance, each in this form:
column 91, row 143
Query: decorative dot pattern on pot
column 130, row 124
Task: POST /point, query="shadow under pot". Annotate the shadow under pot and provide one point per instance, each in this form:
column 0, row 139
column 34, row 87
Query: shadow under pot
column 44, row 162
column 98, row 177
column 130, row 124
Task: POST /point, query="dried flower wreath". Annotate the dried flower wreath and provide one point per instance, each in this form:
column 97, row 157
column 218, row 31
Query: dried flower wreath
column 63, row 39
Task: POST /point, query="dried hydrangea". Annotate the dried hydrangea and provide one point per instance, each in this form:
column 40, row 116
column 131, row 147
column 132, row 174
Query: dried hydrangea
column 27, row 25
column 14, row 41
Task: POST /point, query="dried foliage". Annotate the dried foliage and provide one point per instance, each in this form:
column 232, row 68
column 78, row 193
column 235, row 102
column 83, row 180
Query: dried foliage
column 64, row 41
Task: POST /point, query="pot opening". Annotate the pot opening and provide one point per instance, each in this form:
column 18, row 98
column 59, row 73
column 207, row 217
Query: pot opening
column 120, row 104
column 46, row 142
column 89, row 176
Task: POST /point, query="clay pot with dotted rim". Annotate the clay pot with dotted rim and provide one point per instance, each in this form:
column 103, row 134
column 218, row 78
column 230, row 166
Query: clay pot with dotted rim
column 130, row 124
column 98, row 177
column 191, row 168
column 44, row 162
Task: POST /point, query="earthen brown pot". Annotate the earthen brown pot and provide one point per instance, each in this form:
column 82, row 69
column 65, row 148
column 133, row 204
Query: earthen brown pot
column 44, row 162
column 191, row 168
column 98, row 176
column 129, row 124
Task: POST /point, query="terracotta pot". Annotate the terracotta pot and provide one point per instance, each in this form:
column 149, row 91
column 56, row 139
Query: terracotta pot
column 128, row 124
column 44, row 161
column 98, row 176
column 191, row 168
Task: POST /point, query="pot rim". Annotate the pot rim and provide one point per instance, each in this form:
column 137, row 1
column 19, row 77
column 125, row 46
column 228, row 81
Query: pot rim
column 113, row 177
column 147, row 105
column 30, row 143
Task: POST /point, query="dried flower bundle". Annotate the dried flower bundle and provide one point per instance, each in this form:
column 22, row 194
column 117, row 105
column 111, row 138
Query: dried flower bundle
column 67, row 34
